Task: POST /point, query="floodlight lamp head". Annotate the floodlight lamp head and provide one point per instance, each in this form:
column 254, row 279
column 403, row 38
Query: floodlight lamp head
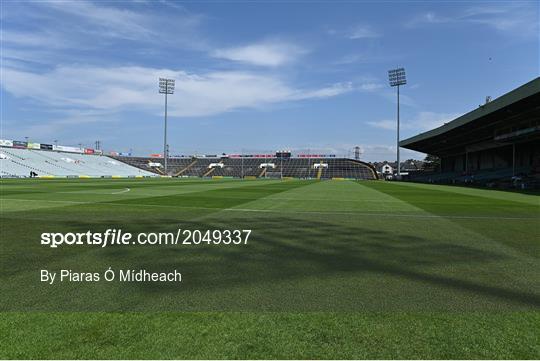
column 166, row 86
column 397, row 77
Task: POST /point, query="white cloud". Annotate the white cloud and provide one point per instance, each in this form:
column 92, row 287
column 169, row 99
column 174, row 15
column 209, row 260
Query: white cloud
column 359, row 31
column 504, row 18
column 57, row 126
column 368, row 153
column 429, row 120
column 382, row 152
column 349, row 59
column 58, row 28
column 383, row 124
column 112, row 21
column 33, row 39
column 262, row 54
column 122, row 88
column 404, row 99
column 432, row 18
column 362, row 32
column 517, row 18
column 371, row 86
column 331, row 91
column 358, row 58
column 422, row 122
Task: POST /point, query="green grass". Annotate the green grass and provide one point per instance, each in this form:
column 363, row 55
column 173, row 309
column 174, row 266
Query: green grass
column 333, row 269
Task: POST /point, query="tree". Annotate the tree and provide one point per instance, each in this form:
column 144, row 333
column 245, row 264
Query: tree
column 432, row 162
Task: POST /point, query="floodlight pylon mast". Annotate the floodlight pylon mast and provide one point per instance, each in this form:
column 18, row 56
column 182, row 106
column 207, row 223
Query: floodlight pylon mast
column 397, row 137
column 166, row 86
column 165, row 155
column 396, row 78
column 242, row 154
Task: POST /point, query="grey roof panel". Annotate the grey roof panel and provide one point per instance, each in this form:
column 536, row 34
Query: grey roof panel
column 511, row 97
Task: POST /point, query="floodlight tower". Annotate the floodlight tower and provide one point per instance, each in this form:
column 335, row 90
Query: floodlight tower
column 357, row 152
column 397, row 78
column 166, row 86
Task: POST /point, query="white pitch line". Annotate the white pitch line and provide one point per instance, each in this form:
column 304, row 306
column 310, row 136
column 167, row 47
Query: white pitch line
column 363, row 214
column 352, row 213
column 122, row 191
column 44, row 200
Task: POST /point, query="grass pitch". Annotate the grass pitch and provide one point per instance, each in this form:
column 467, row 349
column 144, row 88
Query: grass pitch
column 333, row 269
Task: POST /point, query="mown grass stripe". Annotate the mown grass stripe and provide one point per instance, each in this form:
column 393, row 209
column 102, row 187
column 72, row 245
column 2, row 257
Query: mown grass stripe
column 373, row 214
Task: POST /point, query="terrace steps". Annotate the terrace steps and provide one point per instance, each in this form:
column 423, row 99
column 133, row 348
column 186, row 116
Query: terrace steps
column 210, row 171
column 319, row 172
column 180, row 172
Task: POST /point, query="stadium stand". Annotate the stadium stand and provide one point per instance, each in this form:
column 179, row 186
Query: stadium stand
column 185, row 168
column 241, row 167
column 16, row 162
column 24, row 159
column 497, row 144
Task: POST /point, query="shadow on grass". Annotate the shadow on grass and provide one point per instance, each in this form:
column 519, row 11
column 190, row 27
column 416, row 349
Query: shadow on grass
column 285, row 248
column 281, row 250
column 519, row 234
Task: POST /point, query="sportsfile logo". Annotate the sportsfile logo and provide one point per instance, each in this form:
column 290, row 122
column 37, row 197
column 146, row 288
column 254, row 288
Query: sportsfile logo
column 110, row 237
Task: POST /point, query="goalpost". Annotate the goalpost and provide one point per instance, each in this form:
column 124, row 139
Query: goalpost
column 273, row 174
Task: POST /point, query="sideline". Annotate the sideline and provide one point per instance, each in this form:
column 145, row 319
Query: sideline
column 122, row 191
column 353, row 213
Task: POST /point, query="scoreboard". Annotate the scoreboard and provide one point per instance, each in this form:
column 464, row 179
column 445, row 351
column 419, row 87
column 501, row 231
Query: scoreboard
column 283, row 154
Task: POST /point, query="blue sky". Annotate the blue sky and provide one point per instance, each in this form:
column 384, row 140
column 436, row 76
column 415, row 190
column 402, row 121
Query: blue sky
column 255, row 76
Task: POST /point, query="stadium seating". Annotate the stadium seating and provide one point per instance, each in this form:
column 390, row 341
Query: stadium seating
column 304, row 168
column 478, row 177
column 15, row 162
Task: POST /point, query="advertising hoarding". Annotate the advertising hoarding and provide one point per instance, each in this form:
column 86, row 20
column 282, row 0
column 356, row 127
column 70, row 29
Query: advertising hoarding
column 19, row 144
column 63, row 148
